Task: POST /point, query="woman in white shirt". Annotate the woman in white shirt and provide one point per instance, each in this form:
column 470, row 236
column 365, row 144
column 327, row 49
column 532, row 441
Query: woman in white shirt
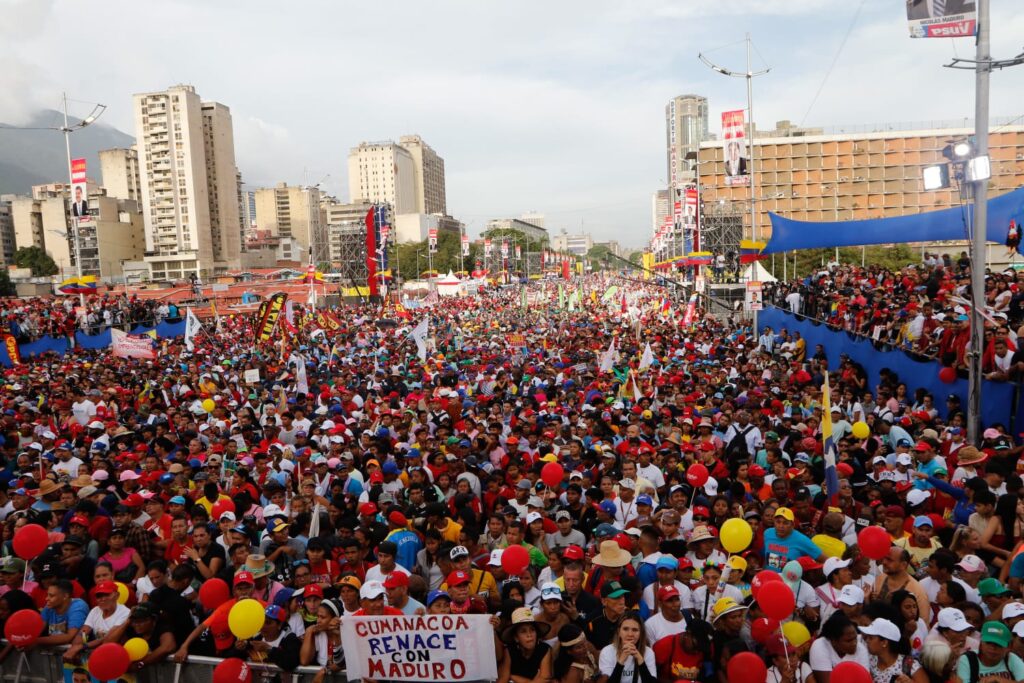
column 628, row 658
column 839, row 642
column 890, row 659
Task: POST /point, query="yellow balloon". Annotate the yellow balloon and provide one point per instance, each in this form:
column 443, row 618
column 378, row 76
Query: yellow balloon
column 246, row 618
column 137, row 648
column 736, row 535
column 861, row 430
column 796, row 633
column 209, row 405
column 122, row 593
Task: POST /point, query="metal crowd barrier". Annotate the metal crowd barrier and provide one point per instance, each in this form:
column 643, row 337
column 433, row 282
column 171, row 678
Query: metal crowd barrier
column 47, row 666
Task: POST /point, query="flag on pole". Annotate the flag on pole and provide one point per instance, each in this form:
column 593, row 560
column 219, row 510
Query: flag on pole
column 647, row 359
column 522, row 299
column 608, row 359
column 301, row 380
column 192, row 327
column 419, row 335
column 829, row 446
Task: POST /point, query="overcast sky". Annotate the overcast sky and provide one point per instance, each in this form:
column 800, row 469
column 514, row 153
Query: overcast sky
column 554, row 106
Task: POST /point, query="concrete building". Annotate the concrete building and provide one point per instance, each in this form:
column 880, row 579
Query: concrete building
column 428, row 171
column 119, row 172
column 415, row 227
column 248, row 214
column 660, row 209
column 686, row 126
column 7, row 242
column 578, row 244
column 534, row 232
column 847, row 176
column 291, row 212
column 188, row 180
column 614, row 248
column 534, row 218
column 383, row 172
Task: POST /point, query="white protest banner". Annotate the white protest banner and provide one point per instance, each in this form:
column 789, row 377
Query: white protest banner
column 125, row 346
column 434, row 647
column 252, row 376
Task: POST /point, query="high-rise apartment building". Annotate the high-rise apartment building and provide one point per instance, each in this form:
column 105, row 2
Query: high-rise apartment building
column 686, row 126
column 407, row 175
column 292, row 212
column 188, row 182
column 7, row 242
column 119, row 171
column 660, row 208
column 428, row 172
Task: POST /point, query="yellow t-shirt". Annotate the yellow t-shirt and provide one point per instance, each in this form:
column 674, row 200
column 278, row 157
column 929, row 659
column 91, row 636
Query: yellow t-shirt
column 831, row 547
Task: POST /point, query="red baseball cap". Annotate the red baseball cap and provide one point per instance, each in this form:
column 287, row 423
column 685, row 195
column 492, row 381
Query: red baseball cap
column 572, row 552
column 758, row 471
column 457, row 578
column 701, row 510
column 313, row 590
column 398, row 579
column 667, row 592
column 244, row 577
column 79, row 519
column 368, row 509
column 624, row 541
column 398, row 519
column 808, row 563
column 105, row 588
column 134, row 500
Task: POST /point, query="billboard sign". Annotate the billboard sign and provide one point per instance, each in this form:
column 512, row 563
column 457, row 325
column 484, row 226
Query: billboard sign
column 737, row 162
column 942, row 18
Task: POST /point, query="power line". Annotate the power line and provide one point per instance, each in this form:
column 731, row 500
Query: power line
column 835, row 59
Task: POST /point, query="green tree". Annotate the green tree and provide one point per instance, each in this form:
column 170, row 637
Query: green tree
column 893, row 257
column 36, row 259
column 449, row 247
column 636, row 256
column 6, row 286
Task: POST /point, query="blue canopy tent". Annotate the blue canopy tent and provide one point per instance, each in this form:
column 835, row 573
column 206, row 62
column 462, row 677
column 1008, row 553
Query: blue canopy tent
column 948, row 224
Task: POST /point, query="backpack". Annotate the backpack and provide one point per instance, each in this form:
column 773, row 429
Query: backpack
column 975, row 665
column 737, row 448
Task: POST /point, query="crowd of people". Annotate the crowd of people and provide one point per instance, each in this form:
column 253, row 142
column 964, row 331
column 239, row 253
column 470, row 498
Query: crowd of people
column 359, row 475
column 30, row 318
column 923, row 308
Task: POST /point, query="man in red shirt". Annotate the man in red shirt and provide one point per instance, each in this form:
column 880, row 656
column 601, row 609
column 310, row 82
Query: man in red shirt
column 175, row 553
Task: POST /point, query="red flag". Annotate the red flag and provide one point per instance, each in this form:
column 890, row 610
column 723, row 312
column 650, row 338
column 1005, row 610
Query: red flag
column 371, row 252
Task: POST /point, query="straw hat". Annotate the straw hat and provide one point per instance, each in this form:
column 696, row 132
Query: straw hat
column 523, row 616
column 46, row 487
column 612, row 555
column 258, row 566
column 700, row 533
column 969, row 455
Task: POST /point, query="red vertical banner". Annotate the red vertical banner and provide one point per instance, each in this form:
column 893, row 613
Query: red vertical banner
column 371, row 251
column 565, row 269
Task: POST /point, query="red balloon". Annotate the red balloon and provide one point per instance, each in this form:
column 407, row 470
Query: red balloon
column 30, row 540
column 947, row 375
column 23, row 627
column 697, row 475
column 213, row 593
column 874, row 542
column 776, row 600
column 746, row 667
column 762, row 629
column 761, row 578
column 220, row 507
column 109, row 661
column 552, row 474
column 515, row 559
column 851, row 672
column 232, row 670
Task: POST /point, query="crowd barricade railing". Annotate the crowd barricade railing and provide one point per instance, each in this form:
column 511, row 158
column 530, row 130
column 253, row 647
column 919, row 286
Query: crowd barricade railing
column 47, row 666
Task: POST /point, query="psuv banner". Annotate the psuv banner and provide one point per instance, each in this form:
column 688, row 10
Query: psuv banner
column 433, row 647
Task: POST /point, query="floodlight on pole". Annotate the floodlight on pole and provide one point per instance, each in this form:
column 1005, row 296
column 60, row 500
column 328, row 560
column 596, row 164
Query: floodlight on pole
column 935, row 177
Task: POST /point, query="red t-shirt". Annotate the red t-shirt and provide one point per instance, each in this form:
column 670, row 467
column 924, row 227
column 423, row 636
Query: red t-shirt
column 175, row 552
column 674, row 663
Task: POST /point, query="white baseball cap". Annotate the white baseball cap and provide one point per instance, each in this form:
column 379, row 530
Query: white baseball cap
column 952, row 618
column 882, row 628
column 1012, row 610
column 1018, row 629
column 834, row 563
column 495, row 560
column 917, row 496
column 971, row 563
column 627, row 484
column 851, row 595
column 533, row 517
column 371, row 590
column 904, row 459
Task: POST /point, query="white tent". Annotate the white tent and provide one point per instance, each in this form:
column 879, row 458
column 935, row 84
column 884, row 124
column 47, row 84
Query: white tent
column 757, row 273
column 449, row 285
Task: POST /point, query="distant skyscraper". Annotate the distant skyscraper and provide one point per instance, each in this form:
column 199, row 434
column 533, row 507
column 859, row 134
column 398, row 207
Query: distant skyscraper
column 289, row 211
column 188, row 183
column 119, row 169
column 686, row 126
column 408, row 175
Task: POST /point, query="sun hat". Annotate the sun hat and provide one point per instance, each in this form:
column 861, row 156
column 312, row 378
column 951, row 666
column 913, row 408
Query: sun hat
column 523, row 616
column 612, row 555
column 700, row 533
column 725, row 606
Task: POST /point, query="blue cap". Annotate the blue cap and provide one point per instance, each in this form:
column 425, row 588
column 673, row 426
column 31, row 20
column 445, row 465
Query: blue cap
column 645, row 500
column 166, row 478
column 177, row 500
column 605, row 530
column 923, row 520
column 904, row 443
column 608, row 506
column 413, row 453
column 389, row 468
column 667, row 562
column 195, row 463
column 433, row 597
column 276, row 524
column 284, row 596
column 802, row 457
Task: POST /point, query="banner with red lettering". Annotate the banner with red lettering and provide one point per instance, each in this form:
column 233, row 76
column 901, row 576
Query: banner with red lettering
column 433, row 647
column 126, row 346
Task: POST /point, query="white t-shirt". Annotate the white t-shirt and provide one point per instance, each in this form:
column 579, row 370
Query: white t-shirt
column 607, row 661
column 705, row 609
column 804, row 672
column 374, row 573
column 658, row 627
column 824, row 658
column 84, row 411
column 653, row 474
column 100, row 625
column 69, row 467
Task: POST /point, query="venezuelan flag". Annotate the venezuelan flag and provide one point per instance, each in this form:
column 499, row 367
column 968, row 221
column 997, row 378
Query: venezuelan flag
column 750, row 251
column 700, row 258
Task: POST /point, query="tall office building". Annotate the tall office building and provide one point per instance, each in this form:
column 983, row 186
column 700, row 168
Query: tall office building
column 660, row 208
column 428, row 172
column 686, row 126
column 7, row 242
column 119, row 169
column 292, row 212
column 188, row 183
column 408, row 175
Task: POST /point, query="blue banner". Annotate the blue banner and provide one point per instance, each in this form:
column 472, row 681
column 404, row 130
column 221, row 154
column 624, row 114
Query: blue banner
column 90, row 342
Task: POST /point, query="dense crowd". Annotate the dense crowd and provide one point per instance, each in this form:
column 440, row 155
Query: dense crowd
column 29, row 319
column 923, row 308
column 359, row 477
